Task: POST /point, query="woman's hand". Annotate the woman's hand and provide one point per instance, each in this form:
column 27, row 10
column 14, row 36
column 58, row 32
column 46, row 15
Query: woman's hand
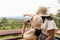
column 51, row 34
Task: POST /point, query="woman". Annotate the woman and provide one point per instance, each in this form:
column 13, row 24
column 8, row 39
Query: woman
column 49, row 26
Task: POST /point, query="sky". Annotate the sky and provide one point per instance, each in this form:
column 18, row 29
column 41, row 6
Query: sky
column 14, row 8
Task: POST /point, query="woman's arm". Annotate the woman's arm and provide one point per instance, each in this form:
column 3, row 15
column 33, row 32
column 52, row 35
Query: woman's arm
column 29, row 15
column 51, row 34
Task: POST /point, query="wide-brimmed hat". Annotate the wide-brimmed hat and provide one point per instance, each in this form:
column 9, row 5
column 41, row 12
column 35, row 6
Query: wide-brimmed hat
column 44, row 9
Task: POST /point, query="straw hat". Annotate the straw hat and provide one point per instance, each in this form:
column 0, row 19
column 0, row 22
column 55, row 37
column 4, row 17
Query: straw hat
column 43, row 11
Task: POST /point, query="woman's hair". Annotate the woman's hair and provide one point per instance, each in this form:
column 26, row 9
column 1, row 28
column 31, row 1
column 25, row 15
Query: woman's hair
column 41, row 9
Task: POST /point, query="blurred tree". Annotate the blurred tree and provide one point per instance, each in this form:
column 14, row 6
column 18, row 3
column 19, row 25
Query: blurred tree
column 58, row 19
column 4, row 22
column 58, row 14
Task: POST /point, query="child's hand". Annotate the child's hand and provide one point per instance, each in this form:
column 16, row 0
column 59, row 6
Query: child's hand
column 22, row 33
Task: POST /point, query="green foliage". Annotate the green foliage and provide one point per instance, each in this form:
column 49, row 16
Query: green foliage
column 4, row 22
column 58, row 20
column 16, row 24
column 58, row 14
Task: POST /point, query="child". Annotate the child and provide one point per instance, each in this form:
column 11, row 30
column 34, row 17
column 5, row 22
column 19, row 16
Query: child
column 35, row 31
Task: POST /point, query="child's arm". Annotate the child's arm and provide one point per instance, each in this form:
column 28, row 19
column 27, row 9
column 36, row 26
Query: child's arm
column 24, row 26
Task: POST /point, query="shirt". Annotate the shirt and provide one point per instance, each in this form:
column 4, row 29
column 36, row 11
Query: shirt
column 48, row 25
